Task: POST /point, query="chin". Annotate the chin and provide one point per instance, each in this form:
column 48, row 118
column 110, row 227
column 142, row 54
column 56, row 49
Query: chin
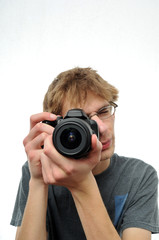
column 107, row 154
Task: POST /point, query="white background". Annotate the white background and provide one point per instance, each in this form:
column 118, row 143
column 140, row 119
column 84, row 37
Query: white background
column 39, row 39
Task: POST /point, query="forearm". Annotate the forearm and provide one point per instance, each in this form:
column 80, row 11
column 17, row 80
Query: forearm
column 33, row 225
column 93, row 214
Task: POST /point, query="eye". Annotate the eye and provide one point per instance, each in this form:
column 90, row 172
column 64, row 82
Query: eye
column 105, row 112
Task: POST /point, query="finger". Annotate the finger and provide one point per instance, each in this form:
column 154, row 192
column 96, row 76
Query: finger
column 95, row 153
column 96, row 144
column 51, row 152
column 64, row 163
column 36, row 143
column 34, row 156
column 36, row 130
column 34, row 119
column 35, row 163
column 52, row 174
column 46, row 167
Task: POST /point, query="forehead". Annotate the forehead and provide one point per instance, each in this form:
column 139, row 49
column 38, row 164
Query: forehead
column 92, row 103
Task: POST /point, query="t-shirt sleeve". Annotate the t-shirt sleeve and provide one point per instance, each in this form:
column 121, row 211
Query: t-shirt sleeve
column 142, row 211
column 22, row 196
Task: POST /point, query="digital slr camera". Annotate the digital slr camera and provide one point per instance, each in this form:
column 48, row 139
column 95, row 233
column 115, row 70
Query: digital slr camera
column 72, row 134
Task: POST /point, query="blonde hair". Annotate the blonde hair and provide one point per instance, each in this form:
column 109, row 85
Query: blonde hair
column 75, row 84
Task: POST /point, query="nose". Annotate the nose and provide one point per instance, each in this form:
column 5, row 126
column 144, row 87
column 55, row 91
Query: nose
column 101, row 125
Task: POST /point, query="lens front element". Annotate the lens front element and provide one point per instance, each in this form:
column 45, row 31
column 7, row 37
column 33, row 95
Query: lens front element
column 71, row 138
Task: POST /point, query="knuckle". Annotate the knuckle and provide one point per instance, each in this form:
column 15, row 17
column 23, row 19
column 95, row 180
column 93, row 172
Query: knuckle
column 45, row 180
column 38, row 127
column 49, row 179
column 31, row 118
column 24, row 141
column 69, row 170
column 27, row 147
column 43, row 135
column 47, row 150
column 31, row 155
column 57, row 176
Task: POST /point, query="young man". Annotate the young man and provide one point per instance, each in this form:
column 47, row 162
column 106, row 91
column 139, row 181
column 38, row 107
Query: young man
column 99, row 196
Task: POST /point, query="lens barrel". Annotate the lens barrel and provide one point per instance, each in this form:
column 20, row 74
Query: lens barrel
column 72, row 137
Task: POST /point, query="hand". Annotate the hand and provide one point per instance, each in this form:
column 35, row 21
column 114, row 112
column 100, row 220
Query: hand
column 35, row 139
column 68, row 172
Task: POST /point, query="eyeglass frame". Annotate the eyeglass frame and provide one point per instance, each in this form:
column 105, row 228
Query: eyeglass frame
column 111, row 104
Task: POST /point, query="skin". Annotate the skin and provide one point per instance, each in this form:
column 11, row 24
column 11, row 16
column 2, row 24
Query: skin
column 47, row 166
column 106, row 128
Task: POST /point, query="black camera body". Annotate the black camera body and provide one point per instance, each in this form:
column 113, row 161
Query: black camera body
column 72, row 134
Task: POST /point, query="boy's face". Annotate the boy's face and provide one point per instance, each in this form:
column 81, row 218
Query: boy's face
column 106, row 127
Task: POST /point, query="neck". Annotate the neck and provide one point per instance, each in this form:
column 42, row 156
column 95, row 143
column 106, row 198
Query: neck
column 101, row 167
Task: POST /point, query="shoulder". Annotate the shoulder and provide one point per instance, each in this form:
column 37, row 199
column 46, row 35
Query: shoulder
column 133, row 164
column 134, row 169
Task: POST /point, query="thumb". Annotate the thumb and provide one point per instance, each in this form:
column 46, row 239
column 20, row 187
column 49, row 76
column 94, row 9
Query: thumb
column 96, row 144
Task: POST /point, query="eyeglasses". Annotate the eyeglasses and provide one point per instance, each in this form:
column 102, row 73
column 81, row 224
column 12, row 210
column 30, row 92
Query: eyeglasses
column 105, row 112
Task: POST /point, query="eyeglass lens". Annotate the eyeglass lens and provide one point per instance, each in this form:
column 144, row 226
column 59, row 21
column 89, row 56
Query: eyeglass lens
column 106, row 112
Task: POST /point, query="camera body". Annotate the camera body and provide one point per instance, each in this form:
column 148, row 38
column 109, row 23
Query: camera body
column 72, row 134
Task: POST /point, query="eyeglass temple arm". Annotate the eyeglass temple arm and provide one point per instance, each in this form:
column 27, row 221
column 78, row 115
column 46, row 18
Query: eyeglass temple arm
column 114, row 104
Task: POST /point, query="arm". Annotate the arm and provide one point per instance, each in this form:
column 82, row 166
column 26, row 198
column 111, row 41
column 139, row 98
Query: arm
column 136, row 233
column 33, row 225
column 77, row 176
column 93, row 214
column 34, row 218
column 95, row 219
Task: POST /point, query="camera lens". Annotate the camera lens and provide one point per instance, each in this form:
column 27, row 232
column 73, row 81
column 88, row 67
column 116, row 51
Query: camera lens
column 70, row 138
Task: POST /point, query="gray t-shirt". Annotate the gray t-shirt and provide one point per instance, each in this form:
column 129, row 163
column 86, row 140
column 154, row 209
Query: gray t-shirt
column 129, row 191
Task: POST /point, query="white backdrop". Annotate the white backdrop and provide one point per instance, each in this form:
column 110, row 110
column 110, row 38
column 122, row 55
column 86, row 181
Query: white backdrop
column 39, row 39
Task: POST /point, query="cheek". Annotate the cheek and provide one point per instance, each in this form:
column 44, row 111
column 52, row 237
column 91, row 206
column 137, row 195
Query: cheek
column 107, row 128
column 112, row 127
